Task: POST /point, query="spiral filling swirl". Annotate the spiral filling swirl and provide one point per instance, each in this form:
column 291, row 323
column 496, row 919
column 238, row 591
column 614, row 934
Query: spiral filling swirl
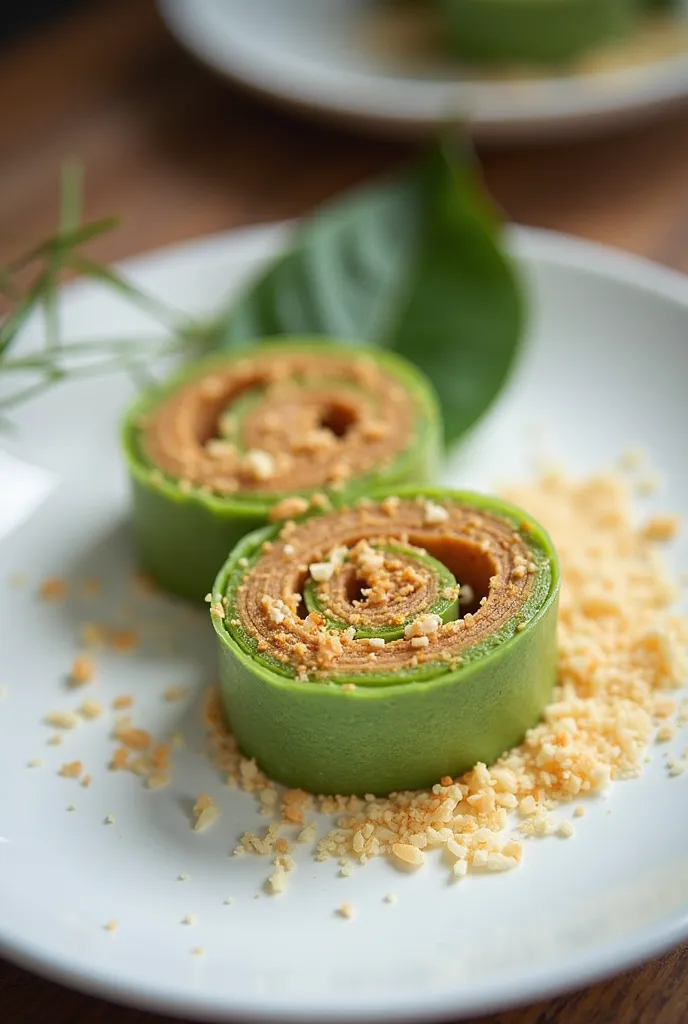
column 383, row 588
column 277, row 422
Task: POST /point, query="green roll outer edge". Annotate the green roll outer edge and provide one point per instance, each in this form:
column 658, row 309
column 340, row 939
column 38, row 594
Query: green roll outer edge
column 541, row 31
column 402, row 731
column 184, row 537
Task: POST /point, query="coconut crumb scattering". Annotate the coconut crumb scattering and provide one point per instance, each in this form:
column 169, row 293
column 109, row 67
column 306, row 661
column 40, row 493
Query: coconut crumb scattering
column 175, row 693
column 267, row 844
column 123, row 702
column 90, row 709
column 205, row 812
column 277, row 882
column 134, row 739
column 307, row 834
column 61, row 719
column 405, row 852
column 111, row 926
column 661, row 528
column 321, row 571
column 259, row 465
column 139, row 753
column 346, row 910
column 82, row 670
column 434, row 513
column 92, row 634
column 288, row 508
column 159, row 781
column 53, row 588
column 677, row 766
column 123, row 640
column 618, row 659
column 423, row 626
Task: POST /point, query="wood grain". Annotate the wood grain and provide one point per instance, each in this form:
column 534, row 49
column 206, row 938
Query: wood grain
column 180, row 154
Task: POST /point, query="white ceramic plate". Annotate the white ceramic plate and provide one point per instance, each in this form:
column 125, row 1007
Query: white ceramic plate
column 606, row 366
column 319, row 56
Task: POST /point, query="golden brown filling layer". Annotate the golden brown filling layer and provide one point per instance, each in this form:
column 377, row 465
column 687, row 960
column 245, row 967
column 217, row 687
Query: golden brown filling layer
column 341, row 552
column 368, row 586
column 276, row 423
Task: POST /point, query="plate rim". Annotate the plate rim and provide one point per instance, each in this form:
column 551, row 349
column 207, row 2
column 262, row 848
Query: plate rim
column 532, row 245
column 589, row 970
column 556, row 106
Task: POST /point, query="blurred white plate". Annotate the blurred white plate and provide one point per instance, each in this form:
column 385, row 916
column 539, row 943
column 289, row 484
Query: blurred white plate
column 606, row 366
column 322, row 57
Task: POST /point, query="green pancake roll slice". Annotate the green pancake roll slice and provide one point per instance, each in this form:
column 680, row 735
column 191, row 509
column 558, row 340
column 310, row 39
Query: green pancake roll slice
column 234, row 442
column 389, row 642
column 534, row 31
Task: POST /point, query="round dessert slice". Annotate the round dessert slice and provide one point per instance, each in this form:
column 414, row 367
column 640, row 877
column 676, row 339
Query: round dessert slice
column 237, row 441
column 385, row 644
column 546, row 31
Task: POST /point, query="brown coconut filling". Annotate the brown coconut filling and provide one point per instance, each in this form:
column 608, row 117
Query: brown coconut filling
column 317, row 420
column 490, row 560
column 375, row 587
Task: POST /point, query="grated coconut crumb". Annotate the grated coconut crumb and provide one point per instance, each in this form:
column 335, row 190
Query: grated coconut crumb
column 205, row 812
column 618, row 659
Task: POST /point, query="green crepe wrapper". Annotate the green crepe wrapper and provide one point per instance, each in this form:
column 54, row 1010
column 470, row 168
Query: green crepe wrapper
column 184, row 535
column 402, row 729
column 539, row 31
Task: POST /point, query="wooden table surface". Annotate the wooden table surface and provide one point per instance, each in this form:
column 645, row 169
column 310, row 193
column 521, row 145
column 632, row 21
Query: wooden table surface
column 179, row 153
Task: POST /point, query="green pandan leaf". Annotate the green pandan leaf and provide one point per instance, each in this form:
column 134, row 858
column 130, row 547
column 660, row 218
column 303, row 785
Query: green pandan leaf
column 415, row 264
